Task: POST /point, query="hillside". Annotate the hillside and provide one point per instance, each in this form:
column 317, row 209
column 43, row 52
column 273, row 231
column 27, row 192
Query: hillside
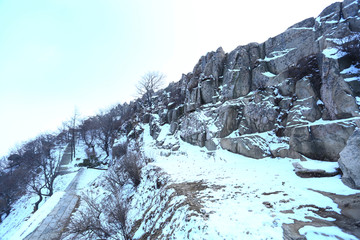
column 258, row 143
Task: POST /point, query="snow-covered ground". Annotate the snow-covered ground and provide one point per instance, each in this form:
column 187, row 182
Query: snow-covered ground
column 241, row 197
column 207, row 195
column 22, row 221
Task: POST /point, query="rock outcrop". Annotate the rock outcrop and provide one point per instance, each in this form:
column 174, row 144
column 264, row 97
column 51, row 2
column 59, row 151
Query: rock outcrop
column 349, row 161
column 294, row 85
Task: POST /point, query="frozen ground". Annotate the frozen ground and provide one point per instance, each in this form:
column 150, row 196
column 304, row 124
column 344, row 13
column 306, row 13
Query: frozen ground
column 240, row 197
column 22, row 221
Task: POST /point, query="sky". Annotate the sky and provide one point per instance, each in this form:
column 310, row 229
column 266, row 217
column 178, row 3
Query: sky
column 62, row 56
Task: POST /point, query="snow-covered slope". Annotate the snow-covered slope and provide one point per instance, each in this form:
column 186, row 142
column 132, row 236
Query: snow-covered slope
column 193, row 193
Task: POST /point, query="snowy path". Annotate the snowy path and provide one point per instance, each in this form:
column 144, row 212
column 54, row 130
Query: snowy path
column 54, row 224
column 56, row 221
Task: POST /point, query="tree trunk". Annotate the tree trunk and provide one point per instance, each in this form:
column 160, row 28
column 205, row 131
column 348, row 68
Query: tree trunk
column 36, row 207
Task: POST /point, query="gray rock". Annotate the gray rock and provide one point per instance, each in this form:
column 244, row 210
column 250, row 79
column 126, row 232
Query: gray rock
column 252, row 146
column 260, row 113
column 323, row 141
column 286, row 49
column 210, row 145
column 198, row 89
column 335, row 93
column 349, row 161
column 207, row 90
column 228, row 119
column 237, row 73
column 311, row 173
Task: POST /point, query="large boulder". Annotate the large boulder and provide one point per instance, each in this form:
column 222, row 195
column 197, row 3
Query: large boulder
column 322, row 141
column 349, row 161
column 253, row 146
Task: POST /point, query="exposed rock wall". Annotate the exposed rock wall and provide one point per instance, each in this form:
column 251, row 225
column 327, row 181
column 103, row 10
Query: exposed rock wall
column 297, row 94
column 288, row 85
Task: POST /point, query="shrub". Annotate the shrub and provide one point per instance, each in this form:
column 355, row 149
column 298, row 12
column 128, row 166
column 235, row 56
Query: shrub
column 131, row 166
column 119, row 150
column 90, row 223
column 91, row 162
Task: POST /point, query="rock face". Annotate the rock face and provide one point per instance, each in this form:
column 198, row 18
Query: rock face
column 299, row 85
column 295, row 95
column 349, row 161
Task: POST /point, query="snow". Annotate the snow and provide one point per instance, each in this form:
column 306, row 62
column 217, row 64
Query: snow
column 277, row 54
column 319, row 102
column 351, row 79
column 268, row 74
column 236, row 192
column 22, row 221
column 333, row 53
column 351, row 70
column 357, row 100
column 324, row 122
column 88, row 177
column 324, row 233
column 303, row 28
column 31, row 224
column 315, row 164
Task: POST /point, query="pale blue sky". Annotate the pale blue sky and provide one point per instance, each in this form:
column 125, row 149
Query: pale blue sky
column 56, row 55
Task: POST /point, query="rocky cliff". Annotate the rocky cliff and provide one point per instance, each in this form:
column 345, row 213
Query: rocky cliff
column 285, row 104
column 295, row 95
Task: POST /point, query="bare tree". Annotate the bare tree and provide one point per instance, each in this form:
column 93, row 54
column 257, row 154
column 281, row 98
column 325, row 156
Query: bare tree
column 149, row 83
column 90, row 223
column 42, row 180
column 88, row 131
column 107, row 131
column 13, row 185
column 72, row 129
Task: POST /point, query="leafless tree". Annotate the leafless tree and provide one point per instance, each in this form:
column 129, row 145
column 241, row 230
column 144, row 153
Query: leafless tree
column 72, row 130
column 88, row 131
column 107, row 131
column 42, row 180
column 89, row 222
column 150, row 83
column 13, row 185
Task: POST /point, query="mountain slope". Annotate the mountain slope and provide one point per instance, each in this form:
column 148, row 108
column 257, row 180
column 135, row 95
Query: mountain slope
column 247, row 145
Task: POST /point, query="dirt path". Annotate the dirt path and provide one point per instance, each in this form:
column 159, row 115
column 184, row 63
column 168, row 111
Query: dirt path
column 54, row 224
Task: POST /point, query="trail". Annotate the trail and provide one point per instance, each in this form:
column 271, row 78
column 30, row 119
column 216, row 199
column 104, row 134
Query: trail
column 55, row 223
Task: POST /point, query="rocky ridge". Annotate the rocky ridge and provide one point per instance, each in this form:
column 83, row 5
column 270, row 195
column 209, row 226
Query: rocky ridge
column 295, row 95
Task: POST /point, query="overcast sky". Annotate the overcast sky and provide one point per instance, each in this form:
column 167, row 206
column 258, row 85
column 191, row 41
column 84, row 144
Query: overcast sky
column 58, row 55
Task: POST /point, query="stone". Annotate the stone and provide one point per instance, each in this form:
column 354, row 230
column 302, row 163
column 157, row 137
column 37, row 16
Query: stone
column 260, row 113
column 198, row 89
column 323, row 141
column 210, row 145
column 311, row 173
column 349, row 161
column 252, row 146
column 335, row 93
column 303, row 111
column 289, row 47
column 228, row 119
column 237, row 74
column 207, row 90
